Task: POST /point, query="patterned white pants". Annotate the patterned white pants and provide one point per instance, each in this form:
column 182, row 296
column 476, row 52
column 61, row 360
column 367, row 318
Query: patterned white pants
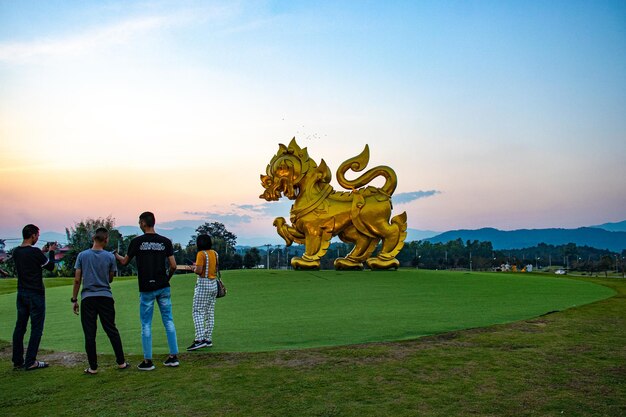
column 204, row 308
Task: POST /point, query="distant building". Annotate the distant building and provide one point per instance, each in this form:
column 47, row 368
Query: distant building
column 58, row 257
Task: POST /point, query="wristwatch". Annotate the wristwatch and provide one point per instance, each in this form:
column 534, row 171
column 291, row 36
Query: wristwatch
column 74, row 300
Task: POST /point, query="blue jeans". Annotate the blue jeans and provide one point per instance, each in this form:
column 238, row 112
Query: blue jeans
column 30, row 304
column 146, row 308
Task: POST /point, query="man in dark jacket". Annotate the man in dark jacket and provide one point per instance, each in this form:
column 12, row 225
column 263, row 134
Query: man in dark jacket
column 31, row 297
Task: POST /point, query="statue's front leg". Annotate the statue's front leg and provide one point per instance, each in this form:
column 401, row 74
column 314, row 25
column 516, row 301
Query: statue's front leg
column 289, row 233
column 316, row 242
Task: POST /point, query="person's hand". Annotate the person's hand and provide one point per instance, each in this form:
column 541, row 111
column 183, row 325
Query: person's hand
column 53, row 246
column 76, row 308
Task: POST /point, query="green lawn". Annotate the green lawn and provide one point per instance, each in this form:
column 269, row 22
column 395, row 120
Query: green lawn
column 569, row 363
column 272, row 310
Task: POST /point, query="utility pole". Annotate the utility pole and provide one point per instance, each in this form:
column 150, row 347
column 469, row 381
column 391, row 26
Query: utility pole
column 470, row 261
column 268, row 254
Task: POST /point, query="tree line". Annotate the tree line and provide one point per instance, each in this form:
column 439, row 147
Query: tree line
column 455, row 254
column 478, row 255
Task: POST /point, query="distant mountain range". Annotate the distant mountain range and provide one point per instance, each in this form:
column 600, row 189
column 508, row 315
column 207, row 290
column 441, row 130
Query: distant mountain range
column 524, row 238
column 610, row 236
column 415, row 234
column 612, row 227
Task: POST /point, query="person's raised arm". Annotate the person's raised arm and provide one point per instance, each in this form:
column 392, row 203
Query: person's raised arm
column 78, row 277
column 49, row 265
column 172, row 269
column 123, row 260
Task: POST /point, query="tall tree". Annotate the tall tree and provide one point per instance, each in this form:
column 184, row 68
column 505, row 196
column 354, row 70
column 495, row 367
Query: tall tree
column 218, row 232
column 252, row 258
column 224, row 243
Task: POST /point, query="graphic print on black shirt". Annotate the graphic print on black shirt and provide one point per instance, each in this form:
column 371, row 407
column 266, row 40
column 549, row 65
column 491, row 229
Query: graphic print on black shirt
column 151, row 251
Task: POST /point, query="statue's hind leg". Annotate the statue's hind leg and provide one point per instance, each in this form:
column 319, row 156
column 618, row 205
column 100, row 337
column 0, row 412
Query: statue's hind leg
column 363, row 247
column 393, row 240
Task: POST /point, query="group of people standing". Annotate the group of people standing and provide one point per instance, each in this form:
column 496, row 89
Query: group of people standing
column 95, row 269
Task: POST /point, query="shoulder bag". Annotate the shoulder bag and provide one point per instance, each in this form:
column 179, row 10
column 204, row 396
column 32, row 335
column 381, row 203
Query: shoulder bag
column 221, row 288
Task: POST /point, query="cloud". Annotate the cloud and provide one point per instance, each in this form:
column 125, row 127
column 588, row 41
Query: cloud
column 175, row 224
column 117, row 33
column 269, row 209
column 226, row 218
column 234, row 216
column 283, row 206
column 251, row 207
column 120, row 32
column 247, row 213
column 404, row 198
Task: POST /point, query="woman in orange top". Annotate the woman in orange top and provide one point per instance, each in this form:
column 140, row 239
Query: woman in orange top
column 205, row 293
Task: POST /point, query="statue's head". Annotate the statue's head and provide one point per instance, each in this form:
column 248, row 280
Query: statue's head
column 285, row 171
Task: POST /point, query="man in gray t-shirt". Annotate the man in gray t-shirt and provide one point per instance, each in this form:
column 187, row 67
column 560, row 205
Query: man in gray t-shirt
column 96, row 268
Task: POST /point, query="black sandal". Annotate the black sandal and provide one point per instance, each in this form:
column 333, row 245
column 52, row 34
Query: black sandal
column 90, row 371
column 123, row 366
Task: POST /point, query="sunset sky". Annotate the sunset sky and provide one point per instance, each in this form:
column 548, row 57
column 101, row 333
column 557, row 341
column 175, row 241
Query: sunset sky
column 493, row 113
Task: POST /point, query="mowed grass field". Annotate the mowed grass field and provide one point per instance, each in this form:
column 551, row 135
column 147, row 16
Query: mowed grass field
column 567, row 363
column 273, row 310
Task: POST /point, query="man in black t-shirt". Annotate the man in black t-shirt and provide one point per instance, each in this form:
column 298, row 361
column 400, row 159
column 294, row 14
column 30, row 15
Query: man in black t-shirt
column 31, row 297
column 153, row 252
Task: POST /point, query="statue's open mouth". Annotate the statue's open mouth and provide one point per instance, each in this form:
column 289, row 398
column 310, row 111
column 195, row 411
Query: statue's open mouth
column 276, row 187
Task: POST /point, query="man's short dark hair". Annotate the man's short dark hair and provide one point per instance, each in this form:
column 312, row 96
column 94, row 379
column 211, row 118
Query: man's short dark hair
column 204, row 242
column 148, row 218
column 101, row 234
column 29, row 230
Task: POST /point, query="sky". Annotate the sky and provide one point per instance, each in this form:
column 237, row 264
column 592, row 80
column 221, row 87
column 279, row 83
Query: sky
column 506, row 114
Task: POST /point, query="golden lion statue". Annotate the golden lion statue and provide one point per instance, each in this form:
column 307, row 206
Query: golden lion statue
column 360, row 216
